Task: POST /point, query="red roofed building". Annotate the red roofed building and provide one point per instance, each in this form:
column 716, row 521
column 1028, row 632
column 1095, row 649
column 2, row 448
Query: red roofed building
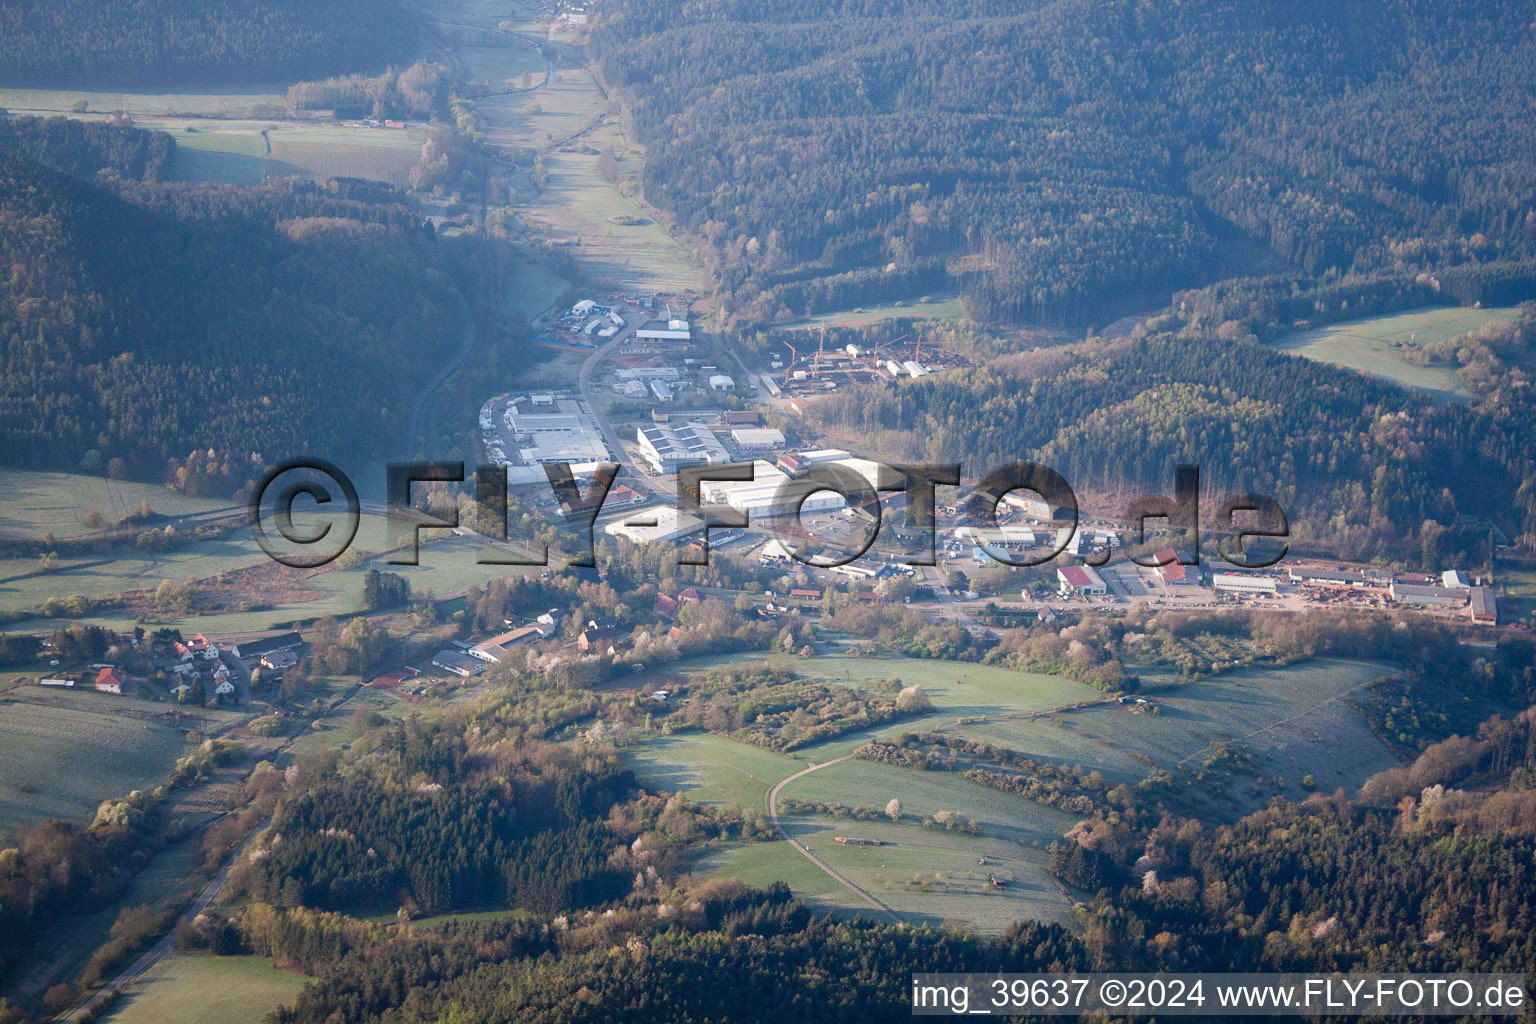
column 689, row 594
column 665, row 605
column 111, row 680
column 1080, row 579
column 1172, row 571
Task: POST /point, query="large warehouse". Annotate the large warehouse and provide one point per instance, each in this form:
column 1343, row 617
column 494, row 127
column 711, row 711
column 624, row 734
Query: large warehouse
column 1233, row 583
column 759, row 497
column 657, row 524
column 1413, row 593
column 666, row 446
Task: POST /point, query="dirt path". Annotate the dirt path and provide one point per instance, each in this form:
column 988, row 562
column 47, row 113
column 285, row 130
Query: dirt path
column 773, row 815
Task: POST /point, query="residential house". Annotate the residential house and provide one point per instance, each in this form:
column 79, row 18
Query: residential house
column 111, row 680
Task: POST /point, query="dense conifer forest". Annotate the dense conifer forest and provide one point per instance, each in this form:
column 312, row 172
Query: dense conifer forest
column 144, row 321
column 81, row 43
column 1070, row 162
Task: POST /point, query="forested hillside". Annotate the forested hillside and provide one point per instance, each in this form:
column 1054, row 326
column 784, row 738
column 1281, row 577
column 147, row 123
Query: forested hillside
column 141, row 321
column 1354, row 460
column 84, row 43
column 1068, row 162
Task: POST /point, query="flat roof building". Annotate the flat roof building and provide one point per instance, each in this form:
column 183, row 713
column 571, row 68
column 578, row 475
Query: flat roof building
column 1455, row 579
column 757, row 437
column 657, row 524
column 1414, row 593
column 1235, row 584
column 665, row 330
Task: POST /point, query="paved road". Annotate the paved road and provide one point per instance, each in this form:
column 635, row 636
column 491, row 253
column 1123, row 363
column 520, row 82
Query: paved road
column 773, row 815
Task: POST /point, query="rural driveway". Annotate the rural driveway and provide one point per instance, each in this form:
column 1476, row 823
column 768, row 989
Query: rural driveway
column 158, row 950
column 773, row 815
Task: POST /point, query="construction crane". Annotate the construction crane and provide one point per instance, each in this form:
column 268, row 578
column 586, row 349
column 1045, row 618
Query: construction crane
column 794, row 357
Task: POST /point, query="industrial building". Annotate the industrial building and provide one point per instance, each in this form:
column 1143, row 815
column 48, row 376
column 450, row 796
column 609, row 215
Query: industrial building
column 665, row 446
column 1455, row 579
column 760, row 498
column 665, row 330
column 1329, row 578
column 721, row 382
column 1440, row 597
column 1226, row 582
column 1485, row 607
column 1015, row 538
column 757, row 438
column 1080, row 579
column 547, row 428
column 658, row 524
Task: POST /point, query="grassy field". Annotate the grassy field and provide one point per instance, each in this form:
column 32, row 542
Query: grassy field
column 942, row 308
column 61, row 762
column 1374, row 345
column 36, row 503
column 1294, row 721
column 448, row 564
column 923, row 874
column 710, row 769
column 171, row 102
column 188, row 989
column 927, row 875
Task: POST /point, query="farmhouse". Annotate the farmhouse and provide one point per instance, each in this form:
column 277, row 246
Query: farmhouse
column 598, row 640
column 461, row 665
column 256, row 649
column 111, row 680
column 1080, row 579
column 279, row 660
column 498, row 647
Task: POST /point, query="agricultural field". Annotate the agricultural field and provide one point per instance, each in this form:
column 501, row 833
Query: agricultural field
column 1374, row 345
column 190, row 989
column 62, row 762
column 345, row 151
column 225, row 157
